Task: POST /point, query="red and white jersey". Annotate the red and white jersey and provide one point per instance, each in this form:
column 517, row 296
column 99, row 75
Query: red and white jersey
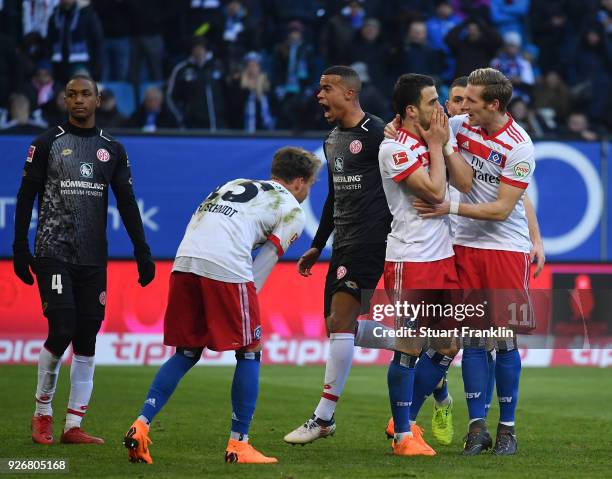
column 412, row 238
column 237, row 218
column 453, row 193
column 504, row 157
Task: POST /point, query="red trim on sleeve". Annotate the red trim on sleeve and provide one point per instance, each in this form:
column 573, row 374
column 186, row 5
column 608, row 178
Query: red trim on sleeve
column 511, row 182
column 407, row 172
column 276, row 242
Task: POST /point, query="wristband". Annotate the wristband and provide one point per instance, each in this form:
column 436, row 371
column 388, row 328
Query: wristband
column 448, row 149
column 453, row 209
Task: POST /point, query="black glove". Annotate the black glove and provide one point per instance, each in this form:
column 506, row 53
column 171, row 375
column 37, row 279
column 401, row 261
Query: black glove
column 146, row 271
column 22, row 260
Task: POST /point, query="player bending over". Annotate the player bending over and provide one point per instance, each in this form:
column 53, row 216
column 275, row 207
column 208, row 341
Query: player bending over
column 212, row 301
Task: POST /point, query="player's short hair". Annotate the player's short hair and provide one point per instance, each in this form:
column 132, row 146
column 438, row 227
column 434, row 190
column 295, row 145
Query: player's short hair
column 460, row 82
column 291, row 162
column 347, row 75
column 496, row 86
column 83, row 76
column 407, row 91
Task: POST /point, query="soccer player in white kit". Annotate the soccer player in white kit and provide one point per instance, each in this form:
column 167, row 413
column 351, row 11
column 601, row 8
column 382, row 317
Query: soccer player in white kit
column 212, row 301
column 419, row 252
column 492, row 240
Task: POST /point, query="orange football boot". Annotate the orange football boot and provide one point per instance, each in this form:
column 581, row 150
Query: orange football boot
column 412, row 446
column 137, row 442
column 244, row 453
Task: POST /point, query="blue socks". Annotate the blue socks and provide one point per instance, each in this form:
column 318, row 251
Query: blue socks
column 475, row 370
column 507, row 373
column 430, row 368
column 166, row 380
column 400, row 379
column 490, row 381
column 442, row 393
column 245, row 388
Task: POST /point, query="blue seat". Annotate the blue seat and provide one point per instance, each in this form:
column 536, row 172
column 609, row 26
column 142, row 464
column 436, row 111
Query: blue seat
column 124, row 93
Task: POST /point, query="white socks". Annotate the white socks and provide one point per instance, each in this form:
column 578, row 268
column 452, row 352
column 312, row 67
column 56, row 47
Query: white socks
column 81, row 386
column 366, row 337
column 341, row 349
column 48, row 372
column 239, row 437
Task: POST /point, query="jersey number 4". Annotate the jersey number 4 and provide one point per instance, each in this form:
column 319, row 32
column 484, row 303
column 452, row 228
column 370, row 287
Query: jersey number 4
column 56, row 283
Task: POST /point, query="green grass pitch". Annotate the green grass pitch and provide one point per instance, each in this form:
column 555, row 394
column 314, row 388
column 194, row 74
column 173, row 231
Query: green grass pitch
column 564, row 426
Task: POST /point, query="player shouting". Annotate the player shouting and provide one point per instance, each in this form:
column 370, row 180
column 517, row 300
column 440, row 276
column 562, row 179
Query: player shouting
column 212, row 300
column 357, row 208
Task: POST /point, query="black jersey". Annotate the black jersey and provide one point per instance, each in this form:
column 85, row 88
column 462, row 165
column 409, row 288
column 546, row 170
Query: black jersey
column 74, row 168
column 360, row 211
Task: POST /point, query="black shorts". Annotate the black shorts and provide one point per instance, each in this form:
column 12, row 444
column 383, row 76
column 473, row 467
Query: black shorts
column 355, row 270
column 70, row 286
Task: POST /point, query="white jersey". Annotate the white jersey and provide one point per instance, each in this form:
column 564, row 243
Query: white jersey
column 235, row 219
column 507, row 157
column 453, row 193
column 412, row 238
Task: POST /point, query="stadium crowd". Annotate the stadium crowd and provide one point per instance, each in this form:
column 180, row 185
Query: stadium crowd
column 254, row 65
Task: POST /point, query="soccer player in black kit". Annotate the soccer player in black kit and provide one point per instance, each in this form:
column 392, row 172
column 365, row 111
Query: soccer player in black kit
column 357, row 208
column 70, row 168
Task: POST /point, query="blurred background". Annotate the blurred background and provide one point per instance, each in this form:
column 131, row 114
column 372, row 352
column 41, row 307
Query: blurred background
column 203, row 91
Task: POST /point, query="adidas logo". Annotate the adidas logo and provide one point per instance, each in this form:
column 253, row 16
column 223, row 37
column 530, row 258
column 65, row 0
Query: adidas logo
column 466, row 145
column 150, row 401
column 234, row 417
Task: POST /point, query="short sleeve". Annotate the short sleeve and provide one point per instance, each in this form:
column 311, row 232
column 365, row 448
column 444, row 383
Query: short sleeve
column 398, row 162
column 288, row 228
column 122, row 174
column 37, row 159
column 519, row 166
column 455, row 123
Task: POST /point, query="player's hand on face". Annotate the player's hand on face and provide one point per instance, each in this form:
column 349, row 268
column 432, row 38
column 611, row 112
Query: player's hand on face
column 427, row 210
column 146, row 272
column 307, row 260
column 392, row 127
column 537, row 253
column 437, row 134
column 22, row 261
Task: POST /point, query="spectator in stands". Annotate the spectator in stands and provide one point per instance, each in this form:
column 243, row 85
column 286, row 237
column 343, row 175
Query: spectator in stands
column 153, row 113
column 338, row 34
column 107, row 115
column 35, row 15
column 149, row 21
column 369, row 48
column 604, row 16
column 41, row 88
column 195, row 90
column 524, row 116
column 249, row 103
column 551, row 32
column 440, row 24
column 200, row 18
column 473, row 44
column 512, row 64
column 55, row 112
column 370, row 98
column 591, row 66
column 551, row 93
column 117, row 27
column 238, row 34
column 509, row 16
column 75, row 40
column 20, row 122
column 578, row 128
column 291, row 73
column 415, row 55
